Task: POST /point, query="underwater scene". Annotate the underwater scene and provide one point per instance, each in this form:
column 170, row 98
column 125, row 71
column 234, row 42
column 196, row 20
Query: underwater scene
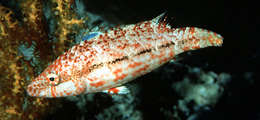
column 128, row 60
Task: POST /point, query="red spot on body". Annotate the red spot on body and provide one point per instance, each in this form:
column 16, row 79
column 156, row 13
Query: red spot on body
column 164, row 60
column 162, row 54
column 140, row 70
column 115, row 32
column 117, row 71
column 196, row 41
column 131, row 34
column 106, row 36
column 171, row 54
column 136, row 45
column 142, row 30
column 122, row 47
column 90, row 42
column 149, row 38
column 122, row 32
column 90, row 79
column 60, row 69
column 135, row 64
column 67, row 93
column 149, row 45
column 210, row 38
column 192, row 30
column 120, row 77
column 164, row 27
column 98, row 84
column 80, row 89
column 135, row 27
column 153, row 56
column 137, row 33
column 195, row 47
column 38, row 93
column 185, row 48
column 100, row 37
column 34, row 91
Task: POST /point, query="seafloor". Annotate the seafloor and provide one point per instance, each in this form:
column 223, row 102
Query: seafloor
column 217, row 83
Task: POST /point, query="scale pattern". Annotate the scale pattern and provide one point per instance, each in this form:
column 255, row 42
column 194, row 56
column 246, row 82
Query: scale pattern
column 118, row 56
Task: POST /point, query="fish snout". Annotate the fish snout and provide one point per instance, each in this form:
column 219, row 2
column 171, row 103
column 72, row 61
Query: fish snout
column 32, row 90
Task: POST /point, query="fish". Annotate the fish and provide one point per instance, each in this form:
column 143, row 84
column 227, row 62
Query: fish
column 106, row 61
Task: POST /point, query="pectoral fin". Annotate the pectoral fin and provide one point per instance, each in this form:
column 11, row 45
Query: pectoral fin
column 90, row 35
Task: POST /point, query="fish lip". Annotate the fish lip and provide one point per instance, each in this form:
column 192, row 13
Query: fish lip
column 34, row 88
column 37, row 92
column 30, row 91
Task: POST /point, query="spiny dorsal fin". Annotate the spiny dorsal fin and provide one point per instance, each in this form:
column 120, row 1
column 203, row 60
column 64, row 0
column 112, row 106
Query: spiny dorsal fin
column 159, row 18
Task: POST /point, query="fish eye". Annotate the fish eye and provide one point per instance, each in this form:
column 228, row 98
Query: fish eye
column 51, row 78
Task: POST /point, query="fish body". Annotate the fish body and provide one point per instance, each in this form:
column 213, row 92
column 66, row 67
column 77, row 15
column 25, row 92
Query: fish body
column 118, row 56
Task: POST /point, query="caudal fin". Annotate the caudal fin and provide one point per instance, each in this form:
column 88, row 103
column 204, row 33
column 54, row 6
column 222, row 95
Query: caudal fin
column 187, row 38
column 194, row 38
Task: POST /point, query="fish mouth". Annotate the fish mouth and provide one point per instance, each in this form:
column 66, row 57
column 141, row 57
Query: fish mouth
column 35, row 89
column 38, row 92
column 32, row 91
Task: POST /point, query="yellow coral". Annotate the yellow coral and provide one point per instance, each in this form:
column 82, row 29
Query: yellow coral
column 16, row 70
column 6, row 20
column 66, row 19
column 13, row 74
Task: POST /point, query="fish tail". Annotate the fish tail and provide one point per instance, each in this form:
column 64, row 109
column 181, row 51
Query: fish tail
column 195, row 38
column 187, row 38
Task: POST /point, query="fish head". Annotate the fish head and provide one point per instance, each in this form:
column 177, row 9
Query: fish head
column 56, row 81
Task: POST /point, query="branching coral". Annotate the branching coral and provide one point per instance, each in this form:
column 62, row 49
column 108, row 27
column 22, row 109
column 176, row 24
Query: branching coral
column 67, row 21
column 27, row 45
column 15, row 69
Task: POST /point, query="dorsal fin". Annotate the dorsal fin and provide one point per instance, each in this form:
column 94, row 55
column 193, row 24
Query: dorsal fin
column 159, row 18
